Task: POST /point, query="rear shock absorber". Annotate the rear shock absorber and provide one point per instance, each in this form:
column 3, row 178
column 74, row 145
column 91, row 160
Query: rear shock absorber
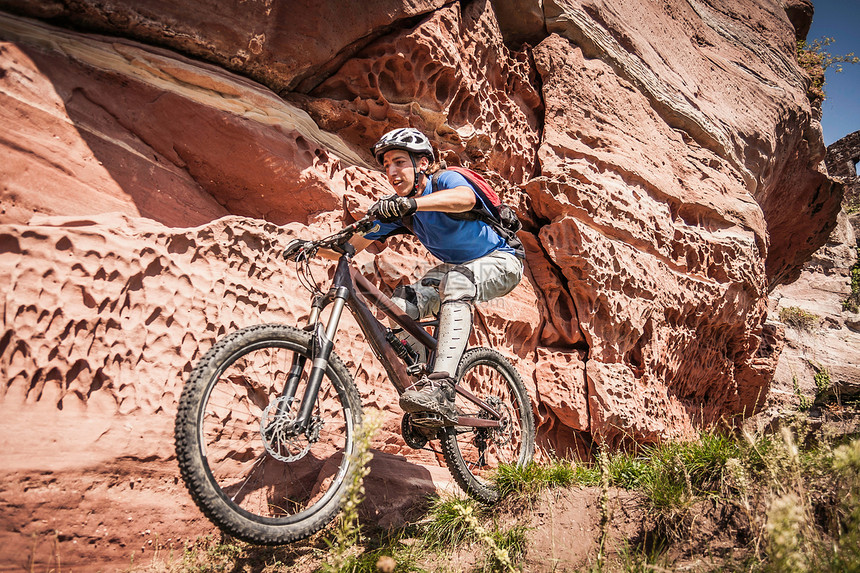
column 401, row 348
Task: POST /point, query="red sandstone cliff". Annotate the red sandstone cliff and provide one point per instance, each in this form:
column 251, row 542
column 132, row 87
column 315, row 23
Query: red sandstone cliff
column 155, row 157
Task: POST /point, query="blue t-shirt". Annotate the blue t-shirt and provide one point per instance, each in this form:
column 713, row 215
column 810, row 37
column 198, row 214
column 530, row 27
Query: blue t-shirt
column 449, row 240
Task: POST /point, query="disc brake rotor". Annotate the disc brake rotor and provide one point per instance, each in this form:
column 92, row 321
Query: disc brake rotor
column 278, row 430
column 502, row 435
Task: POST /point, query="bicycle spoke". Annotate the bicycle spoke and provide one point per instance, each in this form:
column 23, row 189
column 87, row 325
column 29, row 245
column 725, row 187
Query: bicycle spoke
column 260, row 461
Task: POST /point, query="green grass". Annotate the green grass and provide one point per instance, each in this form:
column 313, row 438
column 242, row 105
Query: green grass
column 453, row 521
column 513, row 540
column 804, row 402
column 391, row 553
column 796, row 494
column 799, row 491
column 445, row 525
column 626, row 470
column 822, row 382
column 669, row 474
column 799, row 319
column 852, row 301
column 531, row 479
column 523, row 481
column 632, row 559
column 674, row 476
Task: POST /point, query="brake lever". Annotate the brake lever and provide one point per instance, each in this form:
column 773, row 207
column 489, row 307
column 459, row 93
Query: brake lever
column 296, row 249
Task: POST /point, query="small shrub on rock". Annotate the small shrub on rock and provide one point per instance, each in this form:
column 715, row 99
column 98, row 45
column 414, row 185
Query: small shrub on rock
column 798, row 319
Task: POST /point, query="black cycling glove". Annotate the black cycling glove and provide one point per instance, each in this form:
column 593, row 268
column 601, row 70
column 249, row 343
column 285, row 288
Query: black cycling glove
column 392, row 208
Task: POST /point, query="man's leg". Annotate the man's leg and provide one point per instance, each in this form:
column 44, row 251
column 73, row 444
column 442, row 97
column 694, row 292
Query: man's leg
column 435, row 393
column 419, row 301
column 463, row 285
column 457, row 293
column 481, row 279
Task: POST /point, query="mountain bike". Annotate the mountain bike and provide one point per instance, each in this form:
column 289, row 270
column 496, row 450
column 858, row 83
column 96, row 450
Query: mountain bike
column 267, row 418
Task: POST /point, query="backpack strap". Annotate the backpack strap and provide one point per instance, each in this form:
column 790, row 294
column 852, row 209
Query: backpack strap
column 481, row 213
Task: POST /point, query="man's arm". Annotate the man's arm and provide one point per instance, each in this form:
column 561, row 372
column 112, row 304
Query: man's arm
column 455, row 200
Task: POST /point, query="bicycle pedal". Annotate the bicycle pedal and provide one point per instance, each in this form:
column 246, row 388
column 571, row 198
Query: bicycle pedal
column 427, row 420
column 416, row 370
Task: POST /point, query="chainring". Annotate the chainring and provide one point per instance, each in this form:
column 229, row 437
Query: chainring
column 415, row 437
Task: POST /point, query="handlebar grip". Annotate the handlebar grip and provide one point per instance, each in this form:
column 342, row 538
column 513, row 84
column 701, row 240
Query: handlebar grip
column 295, row 250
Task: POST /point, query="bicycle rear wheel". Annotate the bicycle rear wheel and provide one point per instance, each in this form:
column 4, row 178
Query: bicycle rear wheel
column 246, row 466
column 473, row 454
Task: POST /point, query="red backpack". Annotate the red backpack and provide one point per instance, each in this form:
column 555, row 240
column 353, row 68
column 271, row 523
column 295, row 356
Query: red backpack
column 498, row 215
column 479, row 183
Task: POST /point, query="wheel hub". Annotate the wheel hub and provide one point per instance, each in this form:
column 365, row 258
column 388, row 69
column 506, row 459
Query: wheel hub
column 504, row 433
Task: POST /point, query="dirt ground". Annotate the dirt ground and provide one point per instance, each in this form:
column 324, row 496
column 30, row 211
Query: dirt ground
column 565, row 527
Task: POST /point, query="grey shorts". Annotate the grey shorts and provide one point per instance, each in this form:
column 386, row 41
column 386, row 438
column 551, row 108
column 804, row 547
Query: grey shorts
column 480, row 280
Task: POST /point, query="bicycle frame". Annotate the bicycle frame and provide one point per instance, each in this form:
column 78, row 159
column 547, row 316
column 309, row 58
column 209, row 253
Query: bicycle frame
column 350, row 288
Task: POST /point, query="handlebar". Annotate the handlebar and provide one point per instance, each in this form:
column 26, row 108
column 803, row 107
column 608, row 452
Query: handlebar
column 299, row 249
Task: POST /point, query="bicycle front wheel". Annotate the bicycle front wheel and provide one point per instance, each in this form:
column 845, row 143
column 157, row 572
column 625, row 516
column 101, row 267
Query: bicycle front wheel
column 473, row 454
column 249, row 467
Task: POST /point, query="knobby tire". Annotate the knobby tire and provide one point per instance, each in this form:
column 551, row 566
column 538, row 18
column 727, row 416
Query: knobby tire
column 228, row 466
column 474, row 454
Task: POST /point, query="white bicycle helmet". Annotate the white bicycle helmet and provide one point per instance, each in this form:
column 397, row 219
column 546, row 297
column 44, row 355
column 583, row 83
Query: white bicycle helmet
column 406, row 138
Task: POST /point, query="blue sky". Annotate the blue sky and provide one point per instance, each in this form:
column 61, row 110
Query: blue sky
column 840, row 20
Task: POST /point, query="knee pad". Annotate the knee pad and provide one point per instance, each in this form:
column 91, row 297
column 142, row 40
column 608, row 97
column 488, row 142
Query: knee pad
column 406, row 298
column 455, row 325
column 458, row 285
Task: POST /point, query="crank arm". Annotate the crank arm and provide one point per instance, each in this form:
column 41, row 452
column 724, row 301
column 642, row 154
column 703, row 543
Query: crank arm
column 477, row 422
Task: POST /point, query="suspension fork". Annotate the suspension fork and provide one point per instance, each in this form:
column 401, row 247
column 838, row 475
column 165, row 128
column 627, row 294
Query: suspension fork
column 323, row 343
column 299, row 360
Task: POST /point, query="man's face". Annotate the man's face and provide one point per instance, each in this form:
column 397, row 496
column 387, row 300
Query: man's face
column 398, row 170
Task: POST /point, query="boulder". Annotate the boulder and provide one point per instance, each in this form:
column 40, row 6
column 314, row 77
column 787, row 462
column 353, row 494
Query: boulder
column 822, row 332
column 281, row 44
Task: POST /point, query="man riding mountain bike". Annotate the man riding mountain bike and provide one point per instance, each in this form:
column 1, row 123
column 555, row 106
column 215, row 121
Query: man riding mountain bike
column 285, row 395
column 478, row 264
